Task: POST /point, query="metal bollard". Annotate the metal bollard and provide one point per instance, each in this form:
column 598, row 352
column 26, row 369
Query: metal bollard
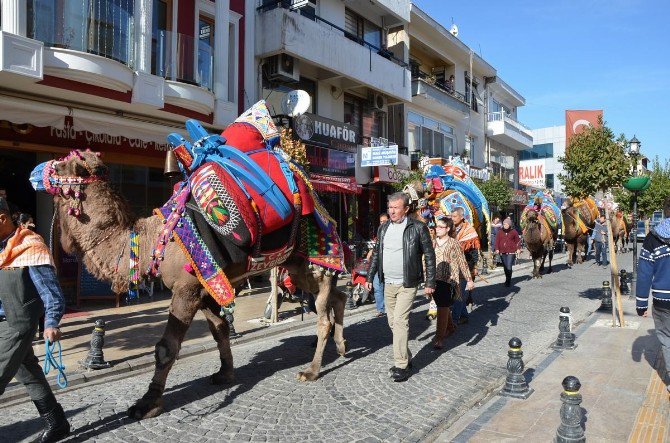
column 515, row 383
column 570, row 429
column 566, row 339
column 623, row 282
column 485, row 266
column 95, row 358
column 350, row 304
column 606, row 298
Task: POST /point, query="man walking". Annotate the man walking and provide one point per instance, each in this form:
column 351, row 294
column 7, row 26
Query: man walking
column 378, row 286
column 397, row 259
column 469, row 241
column 26, row 275
column 653, row 273
column 600, row 241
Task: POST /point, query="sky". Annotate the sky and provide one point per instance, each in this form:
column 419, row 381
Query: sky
column 612, row 55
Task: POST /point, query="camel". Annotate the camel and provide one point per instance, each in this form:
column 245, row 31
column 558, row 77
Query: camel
column 578, row 224
column 98, row 230
column 619, row 232
column 539, row 240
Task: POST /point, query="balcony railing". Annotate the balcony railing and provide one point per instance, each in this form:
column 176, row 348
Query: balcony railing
column 178, row 64
column 287, row 4
column 442, row 85
column 502, row 116
column 104, row 28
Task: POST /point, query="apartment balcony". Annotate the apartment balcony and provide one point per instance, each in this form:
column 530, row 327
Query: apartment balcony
column 314, row 40
column 438, row 96
column 509, row 132
column 20, row 59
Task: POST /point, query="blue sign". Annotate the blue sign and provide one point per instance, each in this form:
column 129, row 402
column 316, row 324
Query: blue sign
column 379, row 155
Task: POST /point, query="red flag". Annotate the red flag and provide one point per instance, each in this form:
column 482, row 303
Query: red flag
column 576, row 121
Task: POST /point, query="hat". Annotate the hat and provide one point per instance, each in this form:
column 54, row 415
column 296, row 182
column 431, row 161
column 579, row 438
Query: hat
column 509, row 222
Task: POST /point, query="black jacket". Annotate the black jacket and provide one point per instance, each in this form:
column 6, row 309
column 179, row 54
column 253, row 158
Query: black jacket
column 416, row 243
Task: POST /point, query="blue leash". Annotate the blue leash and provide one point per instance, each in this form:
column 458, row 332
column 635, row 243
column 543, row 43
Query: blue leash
column 50, row 361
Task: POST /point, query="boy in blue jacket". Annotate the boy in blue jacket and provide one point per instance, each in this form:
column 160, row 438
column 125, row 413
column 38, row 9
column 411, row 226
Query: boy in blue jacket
column 654, row 275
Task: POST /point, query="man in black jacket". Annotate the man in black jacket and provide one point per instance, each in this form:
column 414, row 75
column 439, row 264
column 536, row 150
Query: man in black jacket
column 397, row 257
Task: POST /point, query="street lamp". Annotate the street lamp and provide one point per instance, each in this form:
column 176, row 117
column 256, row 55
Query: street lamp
column 635, row 184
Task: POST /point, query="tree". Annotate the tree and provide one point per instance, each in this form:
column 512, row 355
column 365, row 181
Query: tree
column 497, row 191
column 653, row 198
column 594, row 161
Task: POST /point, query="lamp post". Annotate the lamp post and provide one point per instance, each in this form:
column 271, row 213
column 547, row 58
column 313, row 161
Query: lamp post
column 635, row 185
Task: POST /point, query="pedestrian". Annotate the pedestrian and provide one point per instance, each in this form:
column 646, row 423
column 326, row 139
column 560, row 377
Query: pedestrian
column 402, row 243
column 27, row 274
column 508, row 245
column 653, row 273
column 449, row 263
column 495, row 227
column 377, row 285
column 599, row 237
column 469, row 241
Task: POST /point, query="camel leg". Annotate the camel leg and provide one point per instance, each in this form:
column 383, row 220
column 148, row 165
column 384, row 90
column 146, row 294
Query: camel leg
column 322, row 329
column 338, row 299
column 221, row 332
column 536, row 267
column 571, row 251
column 551, row 258
column 185, row 303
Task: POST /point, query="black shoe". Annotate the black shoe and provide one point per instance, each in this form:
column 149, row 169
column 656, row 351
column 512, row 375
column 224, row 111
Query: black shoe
column 400, row 374
column 56, row 425
column 392, row 369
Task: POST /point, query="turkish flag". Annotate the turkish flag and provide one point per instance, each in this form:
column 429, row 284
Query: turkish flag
column 575, row 121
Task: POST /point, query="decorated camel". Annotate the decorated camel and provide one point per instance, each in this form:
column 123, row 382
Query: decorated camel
column 579, row 217
column 212, row 233
column 540, row 221
column 620, row 231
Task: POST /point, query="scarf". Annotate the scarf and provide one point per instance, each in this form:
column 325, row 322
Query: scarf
column 25, row 248
column 467, row 237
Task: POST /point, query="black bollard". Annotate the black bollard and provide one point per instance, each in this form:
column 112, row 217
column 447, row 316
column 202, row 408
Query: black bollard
column 566, row 339
column 95, row 358
column 350, row 304
column 485, row 266
column 606, row 297
column 623, row 282
column 515, row 383
column 570, row 429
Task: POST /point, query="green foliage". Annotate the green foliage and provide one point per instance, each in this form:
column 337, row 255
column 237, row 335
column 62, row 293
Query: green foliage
column 415, row 175
column 653, row 198
column 594, row 161
column 497, row 191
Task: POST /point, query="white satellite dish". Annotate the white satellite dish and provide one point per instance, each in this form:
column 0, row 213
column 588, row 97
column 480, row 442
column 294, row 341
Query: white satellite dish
column 295, row 102
column 454, row 30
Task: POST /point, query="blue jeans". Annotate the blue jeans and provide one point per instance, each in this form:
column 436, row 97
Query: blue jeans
column 379, row 293
column 589, row 245
column 601, row 253
column 460, row 309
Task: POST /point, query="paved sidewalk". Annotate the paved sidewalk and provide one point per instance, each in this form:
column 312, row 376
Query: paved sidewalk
column 623, row 397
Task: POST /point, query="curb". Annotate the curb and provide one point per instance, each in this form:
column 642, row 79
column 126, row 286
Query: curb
column 17, row 394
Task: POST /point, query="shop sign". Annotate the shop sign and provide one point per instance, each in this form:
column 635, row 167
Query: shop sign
column 389, row 174
column 379, row 155
column 478, row 173
column 68, row 137
column 338, row 135
column 531, row 173
column 331, row 161
column 520, row 198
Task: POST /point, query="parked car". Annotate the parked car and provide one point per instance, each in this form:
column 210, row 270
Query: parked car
column 641, row 231
column 656, row 218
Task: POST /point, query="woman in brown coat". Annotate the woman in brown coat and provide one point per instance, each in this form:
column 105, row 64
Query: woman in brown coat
column 449, row 262
column 508, row 244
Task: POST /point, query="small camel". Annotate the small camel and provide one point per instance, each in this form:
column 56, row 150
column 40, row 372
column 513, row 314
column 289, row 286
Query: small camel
column 99, row 232
column 539, row 241
column 574, row 218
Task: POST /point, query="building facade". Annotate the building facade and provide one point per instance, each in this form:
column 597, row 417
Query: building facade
column 116, row 76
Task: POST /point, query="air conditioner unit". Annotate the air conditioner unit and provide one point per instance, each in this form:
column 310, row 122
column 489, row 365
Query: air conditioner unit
column 283, row 67
column 377, row 101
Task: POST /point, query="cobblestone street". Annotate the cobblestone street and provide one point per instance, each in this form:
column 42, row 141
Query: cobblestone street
column 354, row 399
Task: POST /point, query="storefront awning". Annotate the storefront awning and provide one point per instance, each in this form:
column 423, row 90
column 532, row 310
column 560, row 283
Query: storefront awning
column 99, row 123
column 332, row 183
column 21, row 111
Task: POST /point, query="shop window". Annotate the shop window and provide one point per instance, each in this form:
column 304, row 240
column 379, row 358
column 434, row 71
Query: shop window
column 206, row 31
column 144, row 188
column 433, row 138
column 160, row 37
column 103, row 27
column 543, row 150
column 549, row 181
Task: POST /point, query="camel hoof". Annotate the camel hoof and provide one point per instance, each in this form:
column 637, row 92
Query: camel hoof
column 220, row 378
column 143, row 409
column 569, row 265
column 342, row 348
column 307, row 376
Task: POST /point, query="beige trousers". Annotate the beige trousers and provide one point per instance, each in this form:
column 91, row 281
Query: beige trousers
column 398, row 301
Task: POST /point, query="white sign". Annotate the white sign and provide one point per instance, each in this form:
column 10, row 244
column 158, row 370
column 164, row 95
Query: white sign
column 532, row 173
column 478, row 173
column 389, row 174
column 379, row 155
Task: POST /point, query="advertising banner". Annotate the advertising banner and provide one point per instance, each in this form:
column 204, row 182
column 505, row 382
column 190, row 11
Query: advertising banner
column 576, row 121
column 531, row 173
column 388, row 174
column 379, row 155
column 334, row 134
column 331, row 161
